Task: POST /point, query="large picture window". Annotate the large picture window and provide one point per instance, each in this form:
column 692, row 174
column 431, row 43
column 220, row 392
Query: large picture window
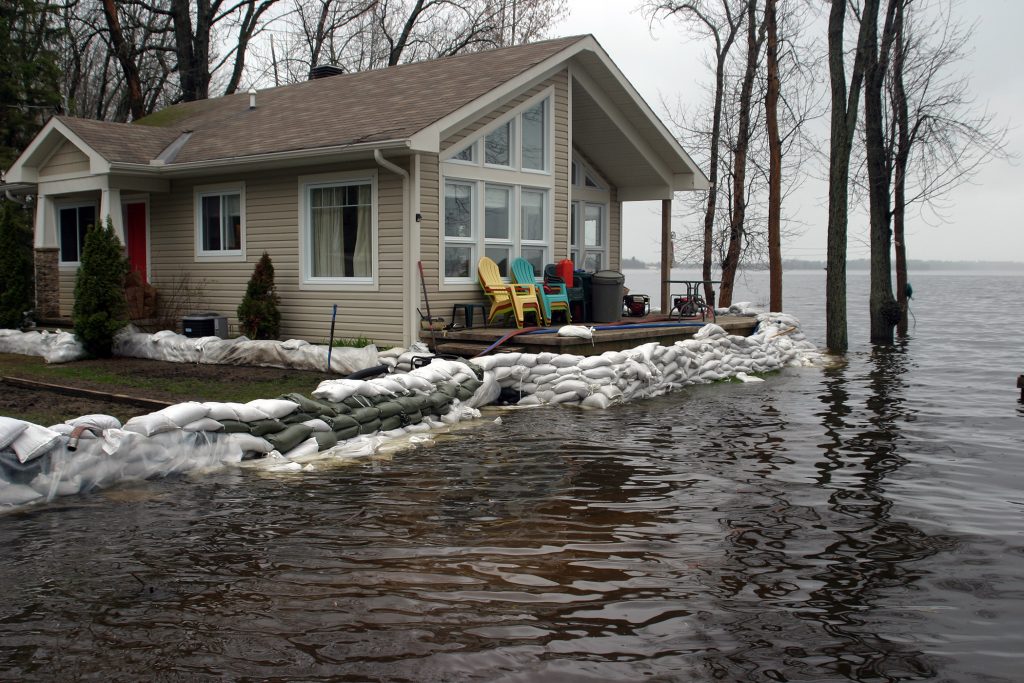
column 220, row 222
column 74, row 222
column 338, row 230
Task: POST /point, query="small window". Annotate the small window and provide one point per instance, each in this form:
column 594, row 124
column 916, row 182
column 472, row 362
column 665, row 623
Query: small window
column 498, row 146
column 535, row 137
column 465, row 155
column 457, row 260
column 532, row 215
column 458, row 210
column 220, row 222
column 497, row 212
column 589, row 181
column 75, row 222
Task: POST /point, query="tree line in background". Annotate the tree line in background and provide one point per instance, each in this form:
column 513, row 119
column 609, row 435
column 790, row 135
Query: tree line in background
column 919, row 134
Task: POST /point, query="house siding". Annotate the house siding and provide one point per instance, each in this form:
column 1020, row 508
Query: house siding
column 442, row 300
column 272, row 225
column 67, row 160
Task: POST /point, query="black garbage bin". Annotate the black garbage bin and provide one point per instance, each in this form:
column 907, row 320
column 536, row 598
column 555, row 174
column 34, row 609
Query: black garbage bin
column 606, row 286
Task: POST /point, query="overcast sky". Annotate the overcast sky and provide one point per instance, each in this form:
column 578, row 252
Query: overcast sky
column 983, row 217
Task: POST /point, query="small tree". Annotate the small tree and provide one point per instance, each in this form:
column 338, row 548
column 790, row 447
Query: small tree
column 100, row 309
column 258, row 315
column 16, row 286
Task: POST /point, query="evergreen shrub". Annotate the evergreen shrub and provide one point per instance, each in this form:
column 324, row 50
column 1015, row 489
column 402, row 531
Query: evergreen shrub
column 16, row 268
column 258, row 316
column 100, row 309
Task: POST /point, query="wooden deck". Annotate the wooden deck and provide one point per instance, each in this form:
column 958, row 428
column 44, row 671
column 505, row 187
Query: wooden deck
column 625, row 335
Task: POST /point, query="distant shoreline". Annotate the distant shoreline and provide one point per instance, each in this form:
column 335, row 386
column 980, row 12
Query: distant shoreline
column 856, row 264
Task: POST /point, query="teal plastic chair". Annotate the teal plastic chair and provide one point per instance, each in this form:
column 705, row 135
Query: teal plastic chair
column 552, row 296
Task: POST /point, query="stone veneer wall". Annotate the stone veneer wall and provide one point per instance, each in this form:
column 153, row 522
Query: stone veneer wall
column 47, row 284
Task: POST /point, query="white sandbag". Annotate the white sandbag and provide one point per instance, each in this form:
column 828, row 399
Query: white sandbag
column 64, row 349
column 337, row 390
column 597, row 400
column 591, row 362
column 604, row 373
column 531, row 400
column 487, row 393
column 575, row 386
column 249, row 443
column 317, row 425
column 97, row 420
column 151, row 424
column 744, row 377
column 710, row 331
column 220, row 411
column 275, row 408
column 578, row 331
column 566, row 397
column 34, row 441
column 307, row 447
column 615, row 357
column 565, row 360
column 182, row 414
column 203, row 424
column 17, row 494
column 356, row 447
column 10, row 429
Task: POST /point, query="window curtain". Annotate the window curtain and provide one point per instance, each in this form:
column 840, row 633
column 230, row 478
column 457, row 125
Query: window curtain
column 338, row 216
column 362, row 258
column 326, row 224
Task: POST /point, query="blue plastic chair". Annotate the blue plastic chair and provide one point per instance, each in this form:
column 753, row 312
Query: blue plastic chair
column 552, row 296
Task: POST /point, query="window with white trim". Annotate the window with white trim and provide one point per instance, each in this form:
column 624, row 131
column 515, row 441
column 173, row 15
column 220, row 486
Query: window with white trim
column 588, row 218
column 497, row 190
column 72, row 224
column 485, row 228
column 338, row 229
column 220, row 222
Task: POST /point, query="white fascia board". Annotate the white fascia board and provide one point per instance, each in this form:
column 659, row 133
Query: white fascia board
column 645, row 108
column 686, row 182
column 644, row 193
column 25, row 168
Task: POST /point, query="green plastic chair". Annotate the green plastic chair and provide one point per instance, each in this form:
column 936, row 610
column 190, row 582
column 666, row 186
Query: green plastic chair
column 552, row 296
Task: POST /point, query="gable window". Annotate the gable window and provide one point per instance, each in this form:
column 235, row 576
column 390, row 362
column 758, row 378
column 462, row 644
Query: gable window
column 535, row 137
column 338, row 229
column 74, row 222
column 220, row 222
column 498, row 146
column 467, row 154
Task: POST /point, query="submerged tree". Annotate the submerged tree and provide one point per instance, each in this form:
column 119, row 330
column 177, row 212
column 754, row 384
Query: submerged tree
column 258, row 316
column 100, row 310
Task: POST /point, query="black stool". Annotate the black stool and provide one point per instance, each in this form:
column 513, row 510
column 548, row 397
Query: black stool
column 467, row 313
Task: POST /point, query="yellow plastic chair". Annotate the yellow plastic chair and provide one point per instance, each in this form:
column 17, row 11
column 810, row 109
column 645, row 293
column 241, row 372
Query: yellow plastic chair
column 505, row 299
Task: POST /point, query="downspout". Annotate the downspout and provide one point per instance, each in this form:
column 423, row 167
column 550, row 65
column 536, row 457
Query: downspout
column 409, row 280
column 13, row 198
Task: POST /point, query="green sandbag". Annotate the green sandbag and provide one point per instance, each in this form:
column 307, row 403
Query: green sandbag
column 411, row 404
column 389, row 423
column 357, row 402
column 390, row 409
column 439, row 402
column 235, row 426
column 309, row 405
column 337, row 408
column 289, row 437
column 414, row 418
column 268, row 426
column 325, row 440
column 340, row 422
column 347, row 432
column 369, row 427
column 364, row 415
column 449, row 389
column 296, row 418
column 464, row 394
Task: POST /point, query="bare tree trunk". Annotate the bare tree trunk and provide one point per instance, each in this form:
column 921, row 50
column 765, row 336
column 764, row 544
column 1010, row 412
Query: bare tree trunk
column 901, row 158
column 844, row 122
column 125, row 58
column 771, row 107
column 883, row 308
column 739, row 185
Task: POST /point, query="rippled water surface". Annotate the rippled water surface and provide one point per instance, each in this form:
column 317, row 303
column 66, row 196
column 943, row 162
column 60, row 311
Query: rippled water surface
column 862, row 522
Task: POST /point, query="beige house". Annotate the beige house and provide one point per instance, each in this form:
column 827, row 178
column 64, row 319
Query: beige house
column 350, row 181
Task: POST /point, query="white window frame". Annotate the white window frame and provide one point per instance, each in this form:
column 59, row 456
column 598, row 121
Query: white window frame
column 306, row 279
column 581, row 195
column 219, row 255
column 475, row 227
column 72, row 204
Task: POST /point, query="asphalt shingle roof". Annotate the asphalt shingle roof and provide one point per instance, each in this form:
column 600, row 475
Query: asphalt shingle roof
column 370, row 106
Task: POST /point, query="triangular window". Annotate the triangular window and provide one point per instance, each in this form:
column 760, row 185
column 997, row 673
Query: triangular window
column 465, row 155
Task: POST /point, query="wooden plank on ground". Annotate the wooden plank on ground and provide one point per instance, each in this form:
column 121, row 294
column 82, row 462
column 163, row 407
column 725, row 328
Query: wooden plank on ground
column 85, row 393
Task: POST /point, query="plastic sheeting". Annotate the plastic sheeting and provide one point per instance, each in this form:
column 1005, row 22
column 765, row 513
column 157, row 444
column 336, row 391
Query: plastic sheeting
column 54, row 347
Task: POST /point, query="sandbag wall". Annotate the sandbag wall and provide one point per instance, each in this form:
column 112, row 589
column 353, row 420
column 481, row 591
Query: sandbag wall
column 651, row 369
column 39, row 463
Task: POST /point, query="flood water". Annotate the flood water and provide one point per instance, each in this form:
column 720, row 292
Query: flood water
column 857, row 523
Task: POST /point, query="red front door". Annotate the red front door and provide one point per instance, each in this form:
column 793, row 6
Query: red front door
column 135, row 236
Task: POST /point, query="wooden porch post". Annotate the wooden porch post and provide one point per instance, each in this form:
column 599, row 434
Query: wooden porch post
column 666, row 253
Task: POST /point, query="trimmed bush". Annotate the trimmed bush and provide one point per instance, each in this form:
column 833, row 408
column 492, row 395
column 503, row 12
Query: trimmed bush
column 16, row 268
column 100, row 309
column 258, row 315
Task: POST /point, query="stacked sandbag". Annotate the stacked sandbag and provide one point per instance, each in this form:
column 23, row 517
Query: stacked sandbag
column 54, row 347
column 294, row 353
column 650, row 369
column 39, row 463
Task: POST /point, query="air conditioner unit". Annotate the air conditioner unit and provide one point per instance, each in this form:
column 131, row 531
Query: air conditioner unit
column 205, row 325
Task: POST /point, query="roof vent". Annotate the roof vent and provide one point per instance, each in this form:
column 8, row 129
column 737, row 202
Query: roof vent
column 252, row 98
column 325, row 71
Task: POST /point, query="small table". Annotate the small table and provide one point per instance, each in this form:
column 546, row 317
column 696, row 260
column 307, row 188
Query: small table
column 467, row 313
column 692, row 302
